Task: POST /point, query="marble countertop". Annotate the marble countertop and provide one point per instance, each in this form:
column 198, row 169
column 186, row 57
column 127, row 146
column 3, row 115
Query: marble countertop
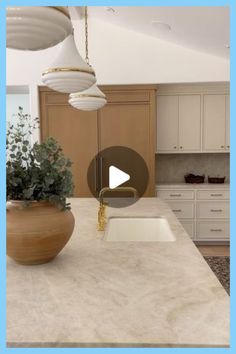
column 98, row 293
column 193, row 186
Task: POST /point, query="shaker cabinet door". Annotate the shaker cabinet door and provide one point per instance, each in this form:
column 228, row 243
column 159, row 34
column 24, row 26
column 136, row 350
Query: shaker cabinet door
column 167, row 123
column 126, row 125
column 214, row 118
column 189, row 123
column 76, row 132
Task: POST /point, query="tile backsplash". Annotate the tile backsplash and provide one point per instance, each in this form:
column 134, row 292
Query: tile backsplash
column 171, row 168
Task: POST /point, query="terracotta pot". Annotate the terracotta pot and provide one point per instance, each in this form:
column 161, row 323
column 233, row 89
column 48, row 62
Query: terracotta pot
column 38, row 232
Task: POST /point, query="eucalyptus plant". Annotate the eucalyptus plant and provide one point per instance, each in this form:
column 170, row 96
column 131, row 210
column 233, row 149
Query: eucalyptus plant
column 36, row 171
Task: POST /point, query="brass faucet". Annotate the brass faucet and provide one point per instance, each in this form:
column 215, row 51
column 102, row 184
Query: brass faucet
column 102, row 220
column 102, row 217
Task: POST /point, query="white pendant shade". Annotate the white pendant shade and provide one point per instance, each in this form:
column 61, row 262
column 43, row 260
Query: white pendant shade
column 69, row 72
column 88, row 100
column 36, row 27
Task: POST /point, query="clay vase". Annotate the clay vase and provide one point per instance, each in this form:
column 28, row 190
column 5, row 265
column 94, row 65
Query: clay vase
column 38, row 232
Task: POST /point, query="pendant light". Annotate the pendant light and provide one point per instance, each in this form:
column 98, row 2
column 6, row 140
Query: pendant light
column 69, row 72
column 36, row 27
column 88, row 100
column 92, row 98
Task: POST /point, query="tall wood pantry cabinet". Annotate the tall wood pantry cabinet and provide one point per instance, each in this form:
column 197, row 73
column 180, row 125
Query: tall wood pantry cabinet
column 128, row 119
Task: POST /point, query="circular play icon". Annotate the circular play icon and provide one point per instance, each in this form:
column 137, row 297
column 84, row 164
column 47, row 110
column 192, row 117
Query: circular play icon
column 118, row 175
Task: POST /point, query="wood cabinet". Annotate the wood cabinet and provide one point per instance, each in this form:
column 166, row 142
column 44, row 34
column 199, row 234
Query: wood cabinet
column 127, row 120
column 130, row 123
column 76, row 133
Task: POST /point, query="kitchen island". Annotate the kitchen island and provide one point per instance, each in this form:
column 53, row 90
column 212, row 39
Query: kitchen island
column 118, row 294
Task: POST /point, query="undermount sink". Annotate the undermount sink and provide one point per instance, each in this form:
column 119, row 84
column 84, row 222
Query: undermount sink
column 136, row 229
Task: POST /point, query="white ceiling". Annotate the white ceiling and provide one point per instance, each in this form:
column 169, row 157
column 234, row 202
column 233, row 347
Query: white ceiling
column 205, row 29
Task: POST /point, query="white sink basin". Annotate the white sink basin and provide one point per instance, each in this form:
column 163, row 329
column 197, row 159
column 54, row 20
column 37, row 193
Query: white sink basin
column 151, row 229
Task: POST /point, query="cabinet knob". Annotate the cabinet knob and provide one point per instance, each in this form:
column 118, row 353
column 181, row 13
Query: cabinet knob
column 181, row 147
column 175, row 147
column 228, row 146
column 222, row 146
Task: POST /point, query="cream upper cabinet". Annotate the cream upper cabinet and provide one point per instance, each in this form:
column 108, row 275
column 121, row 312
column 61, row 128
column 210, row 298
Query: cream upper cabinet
column 193, row 118
column 190, row 122
column 179, row 123
column 167, row 123
column 227, row 122
column 214, row 122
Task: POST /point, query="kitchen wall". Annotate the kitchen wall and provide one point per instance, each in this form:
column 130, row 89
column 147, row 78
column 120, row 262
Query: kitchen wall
column 171, row 168
column 122, row 56
column 119, row 56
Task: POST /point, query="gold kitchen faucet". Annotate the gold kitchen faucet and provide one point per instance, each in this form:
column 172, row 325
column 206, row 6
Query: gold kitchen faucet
column 102, row 220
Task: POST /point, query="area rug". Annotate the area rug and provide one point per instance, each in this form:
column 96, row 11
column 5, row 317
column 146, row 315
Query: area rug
column 221, row 267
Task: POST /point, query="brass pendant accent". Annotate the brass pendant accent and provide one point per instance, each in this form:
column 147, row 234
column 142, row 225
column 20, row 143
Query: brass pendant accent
column 53, row 70
column 84, row 95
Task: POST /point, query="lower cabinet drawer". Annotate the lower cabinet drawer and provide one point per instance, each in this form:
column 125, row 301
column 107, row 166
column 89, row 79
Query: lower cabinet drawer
column 212, row 229
column 213, row 210
column 169, row 194
column 213, row 194
column 183, row 210
column 189, row 227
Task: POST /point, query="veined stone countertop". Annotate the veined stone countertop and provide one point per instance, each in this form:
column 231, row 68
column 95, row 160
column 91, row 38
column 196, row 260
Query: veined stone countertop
column 193, row 186
column 114, row 294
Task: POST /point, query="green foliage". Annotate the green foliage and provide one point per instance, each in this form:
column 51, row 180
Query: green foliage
column 36, row 171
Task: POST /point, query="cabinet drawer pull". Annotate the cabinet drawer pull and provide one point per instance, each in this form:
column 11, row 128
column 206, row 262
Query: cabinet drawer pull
column 176, row 210
column 216, row 230
column 216, row 195
column 216, row 210
column 175, row 195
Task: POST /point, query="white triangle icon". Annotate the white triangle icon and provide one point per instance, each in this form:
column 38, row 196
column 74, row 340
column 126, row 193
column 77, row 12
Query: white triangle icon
column 117, row 177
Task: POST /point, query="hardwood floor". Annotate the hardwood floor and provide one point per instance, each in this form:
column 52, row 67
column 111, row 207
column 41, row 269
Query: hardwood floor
column 214, row 250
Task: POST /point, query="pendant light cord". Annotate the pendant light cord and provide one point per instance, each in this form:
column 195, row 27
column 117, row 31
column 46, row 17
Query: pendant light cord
column 86, row 34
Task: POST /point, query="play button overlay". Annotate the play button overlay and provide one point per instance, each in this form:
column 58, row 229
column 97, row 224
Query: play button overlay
column 117, row 177
column 122, row 171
